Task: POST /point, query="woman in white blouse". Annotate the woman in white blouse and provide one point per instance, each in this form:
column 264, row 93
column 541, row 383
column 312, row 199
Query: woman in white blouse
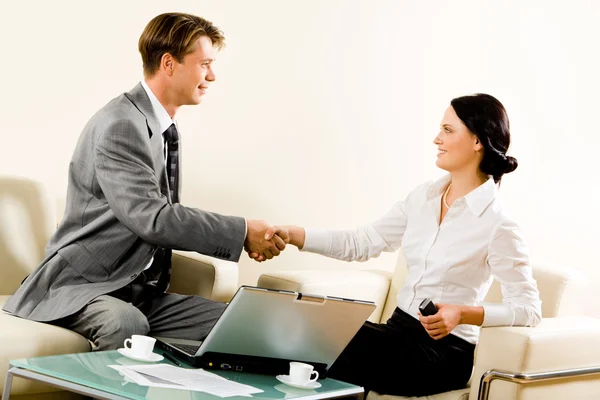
column 457, row 238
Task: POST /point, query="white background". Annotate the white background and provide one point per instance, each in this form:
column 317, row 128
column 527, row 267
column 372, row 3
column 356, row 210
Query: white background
column 324, row 112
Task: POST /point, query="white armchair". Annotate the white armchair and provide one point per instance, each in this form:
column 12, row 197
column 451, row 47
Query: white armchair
column 565, row 344
column 27, row 219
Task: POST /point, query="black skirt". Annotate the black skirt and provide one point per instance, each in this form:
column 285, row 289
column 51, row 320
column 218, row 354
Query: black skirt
column 400, row 358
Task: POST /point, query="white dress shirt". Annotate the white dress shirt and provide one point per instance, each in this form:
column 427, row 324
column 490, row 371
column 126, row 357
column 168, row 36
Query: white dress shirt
column 453, row 262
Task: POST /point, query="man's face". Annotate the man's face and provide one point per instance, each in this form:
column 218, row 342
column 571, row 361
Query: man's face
column 192, row 76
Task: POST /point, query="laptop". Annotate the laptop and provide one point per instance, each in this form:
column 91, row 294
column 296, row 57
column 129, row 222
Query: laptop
column 262, row 330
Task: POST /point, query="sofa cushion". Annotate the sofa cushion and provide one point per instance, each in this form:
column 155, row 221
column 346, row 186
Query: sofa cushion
column 21, row 338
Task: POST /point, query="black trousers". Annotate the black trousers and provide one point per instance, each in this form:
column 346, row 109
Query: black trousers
column 400, row 358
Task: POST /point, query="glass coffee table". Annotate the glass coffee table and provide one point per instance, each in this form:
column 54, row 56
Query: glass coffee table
column 89, row 374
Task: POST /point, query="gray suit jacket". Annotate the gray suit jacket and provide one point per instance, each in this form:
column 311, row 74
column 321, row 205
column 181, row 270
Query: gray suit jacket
column 118, row 212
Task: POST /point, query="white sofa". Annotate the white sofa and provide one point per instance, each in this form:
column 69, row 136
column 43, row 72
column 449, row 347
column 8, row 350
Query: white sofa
column 564, row 341
column 27, row 219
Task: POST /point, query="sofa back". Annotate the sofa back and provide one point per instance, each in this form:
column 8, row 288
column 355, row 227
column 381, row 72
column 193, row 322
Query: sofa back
column 27, row 220
column 562, row 291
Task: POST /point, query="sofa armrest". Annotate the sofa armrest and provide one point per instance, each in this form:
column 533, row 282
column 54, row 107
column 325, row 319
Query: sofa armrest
column 197, row 274
column 352, row 284
column 555, row 344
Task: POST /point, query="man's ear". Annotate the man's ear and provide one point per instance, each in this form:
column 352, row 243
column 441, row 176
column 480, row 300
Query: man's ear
column 167, row 63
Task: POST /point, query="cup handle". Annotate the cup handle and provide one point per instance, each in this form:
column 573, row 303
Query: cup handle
column 316, row 376
column 125, row 343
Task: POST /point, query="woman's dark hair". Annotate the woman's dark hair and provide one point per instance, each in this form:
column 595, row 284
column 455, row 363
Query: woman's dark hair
column 486, row 117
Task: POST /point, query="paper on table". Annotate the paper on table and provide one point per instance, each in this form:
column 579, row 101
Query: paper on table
column 145, row 380
column 163, row 375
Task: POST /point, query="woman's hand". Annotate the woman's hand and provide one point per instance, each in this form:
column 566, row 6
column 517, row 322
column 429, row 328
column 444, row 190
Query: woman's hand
column 443, row 322
column 291, row 234
column 287, row 234
column 449, row 316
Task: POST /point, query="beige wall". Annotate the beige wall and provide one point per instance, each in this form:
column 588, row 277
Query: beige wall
column 324, row 111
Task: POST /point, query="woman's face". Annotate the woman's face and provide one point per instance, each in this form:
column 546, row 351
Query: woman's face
column 459, row 150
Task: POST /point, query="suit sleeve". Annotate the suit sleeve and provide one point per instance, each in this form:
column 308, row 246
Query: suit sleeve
column 123, row 165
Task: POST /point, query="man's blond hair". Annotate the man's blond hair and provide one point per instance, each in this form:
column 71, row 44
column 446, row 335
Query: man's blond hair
column 176, row 34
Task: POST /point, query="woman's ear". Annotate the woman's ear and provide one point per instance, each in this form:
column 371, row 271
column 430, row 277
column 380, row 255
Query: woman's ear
column 478, row 145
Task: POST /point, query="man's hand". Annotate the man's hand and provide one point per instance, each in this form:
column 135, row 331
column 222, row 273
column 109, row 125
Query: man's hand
column 274, row 233
column 443, row 322
column 259, row 245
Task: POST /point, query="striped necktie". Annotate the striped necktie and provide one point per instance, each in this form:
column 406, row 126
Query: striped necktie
column 172, row 142
column 163, row 256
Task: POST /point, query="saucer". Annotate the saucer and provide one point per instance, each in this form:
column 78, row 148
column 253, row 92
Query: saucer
column 307, row 385
column 293, row 392
column 152, row 358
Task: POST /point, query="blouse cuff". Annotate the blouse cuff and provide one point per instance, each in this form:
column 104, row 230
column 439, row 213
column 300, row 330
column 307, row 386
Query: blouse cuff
column 497, row 315
column 316, row 241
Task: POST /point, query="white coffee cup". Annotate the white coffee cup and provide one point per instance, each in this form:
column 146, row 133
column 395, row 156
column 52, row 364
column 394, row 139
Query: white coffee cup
column 140, row 345
column 301, row 373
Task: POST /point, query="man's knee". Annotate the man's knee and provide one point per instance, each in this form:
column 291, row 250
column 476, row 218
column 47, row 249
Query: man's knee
column 129, row 321
column 120, row 324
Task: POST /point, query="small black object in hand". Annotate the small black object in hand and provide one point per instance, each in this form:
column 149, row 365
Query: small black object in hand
column 427, row 307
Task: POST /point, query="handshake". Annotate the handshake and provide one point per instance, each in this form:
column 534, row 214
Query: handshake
column 264, row 241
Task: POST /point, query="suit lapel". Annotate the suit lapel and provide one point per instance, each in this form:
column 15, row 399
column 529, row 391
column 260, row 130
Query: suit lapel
column 140, row 99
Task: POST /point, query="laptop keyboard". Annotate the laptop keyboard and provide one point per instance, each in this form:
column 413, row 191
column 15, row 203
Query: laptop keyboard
column 190, row 349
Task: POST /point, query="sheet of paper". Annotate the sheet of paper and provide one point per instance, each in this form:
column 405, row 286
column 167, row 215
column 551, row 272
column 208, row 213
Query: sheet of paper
column 168, row 376
column 140, row 379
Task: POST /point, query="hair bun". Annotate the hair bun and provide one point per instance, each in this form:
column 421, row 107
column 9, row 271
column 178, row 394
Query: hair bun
column 511, row 164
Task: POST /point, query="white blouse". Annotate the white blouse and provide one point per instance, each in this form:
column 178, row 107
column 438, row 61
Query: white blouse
column 453, row 262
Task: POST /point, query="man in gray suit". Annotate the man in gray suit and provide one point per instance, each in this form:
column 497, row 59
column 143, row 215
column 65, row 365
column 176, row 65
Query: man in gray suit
column 107, row 267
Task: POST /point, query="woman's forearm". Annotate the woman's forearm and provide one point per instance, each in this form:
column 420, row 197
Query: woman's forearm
column 471, row 315
column 297, row 235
